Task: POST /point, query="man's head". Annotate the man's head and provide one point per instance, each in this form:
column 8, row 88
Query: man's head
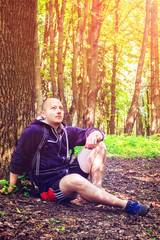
column 52, row 112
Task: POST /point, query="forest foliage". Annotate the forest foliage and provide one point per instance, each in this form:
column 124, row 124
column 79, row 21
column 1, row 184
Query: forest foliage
column 131, row 147
column 119, row 38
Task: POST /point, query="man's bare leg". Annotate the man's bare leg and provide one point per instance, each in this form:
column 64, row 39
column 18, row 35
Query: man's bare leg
column 72, row 184
column 94, row 162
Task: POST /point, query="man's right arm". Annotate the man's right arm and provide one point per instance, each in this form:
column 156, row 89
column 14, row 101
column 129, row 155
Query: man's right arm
column 12, row 181
column 23, row 154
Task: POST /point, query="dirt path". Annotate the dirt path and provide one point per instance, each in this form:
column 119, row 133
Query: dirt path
column 32, row 218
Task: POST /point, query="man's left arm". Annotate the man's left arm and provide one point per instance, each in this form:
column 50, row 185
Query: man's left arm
column 93, row 138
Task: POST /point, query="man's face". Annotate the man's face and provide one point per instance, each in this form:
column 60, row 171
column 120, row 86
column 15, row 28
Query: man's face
column 53, row 112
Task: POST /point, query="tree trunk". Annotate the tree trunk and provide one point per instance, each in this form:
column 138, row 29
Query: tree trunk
column 134, row 105
column 44, row 53
column 139, row 124
column 17, row 88
column 153, row 110
column 38, row 82
column 52, row 51
column 113, row 84
column 93, row 81
column 45, row 41
column 74, row 60
column 83, row 89
column 154, row 21
column 60, row 21
column 148, row 115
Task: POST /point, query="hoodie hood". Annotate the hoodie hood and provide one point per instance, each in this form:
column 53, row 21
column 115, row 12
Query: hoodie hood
column 40, row 120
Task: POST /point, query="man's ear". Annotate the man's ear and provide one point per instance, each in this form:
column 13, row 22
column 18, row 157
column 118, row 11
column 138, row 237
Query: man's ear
column 43, row 114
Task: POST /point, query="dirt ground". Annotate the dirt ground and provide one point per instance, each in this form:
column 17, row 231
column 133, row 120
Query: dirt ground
column 33, row 218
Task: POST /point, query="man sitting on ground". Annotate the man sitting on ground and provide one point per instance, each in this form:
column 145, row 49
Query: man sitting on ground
column 58, row 178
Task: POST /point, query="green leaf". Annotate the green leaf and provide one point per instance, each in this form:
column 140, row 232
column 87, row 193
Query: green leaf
column 21, row 176
column 2, row 213
column 4, row 182
column 54, row 221
column 19, row 210
column 150, row 230
column 63, row 228
column 26, row 194
column 5, row 190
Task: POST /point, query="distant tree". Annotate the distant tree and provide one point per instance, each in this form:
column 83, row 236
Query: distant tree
column 38, row 80
column 17, row 88
column 155, row 93
column 52, row 49
column 93, row 78
column 82, row 100
column 113, row 83
column 134, row 105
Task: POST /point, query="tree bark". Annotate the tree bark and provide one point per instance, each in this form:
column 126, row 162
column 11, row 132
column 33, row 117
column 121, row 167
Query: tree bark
column 45, row 41
column 153, row 110
column 93, row 80
column 113, row 84
column 148, row 115
column 52, row 51
column 134, row 105
column 155, row 58
column 60, row 21
column 83, row 86
column 38, row 81
column 17, row 88
column 44, row 53
column 139, row 124
column 76, row 46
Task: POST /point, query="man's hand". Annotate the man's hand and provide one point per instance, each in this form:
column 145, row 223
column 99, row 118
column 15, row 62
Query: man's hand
column 92, row 139
column 12, row 184
column 6, row 190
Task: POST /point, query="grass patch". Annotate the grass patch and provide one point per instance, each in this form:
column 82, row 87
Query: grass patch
column 131, row 146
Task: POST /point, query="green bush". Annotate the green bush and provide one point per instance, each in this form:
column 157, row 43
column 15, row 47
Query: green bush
column 131, row 146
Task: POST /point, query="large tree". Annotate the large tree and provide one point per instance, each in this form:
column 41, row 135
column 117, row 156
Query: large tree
column 17, row 88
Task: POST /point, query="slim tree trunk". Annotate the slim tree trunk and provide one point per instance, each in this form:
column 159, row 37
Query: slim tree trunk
column 139, row 124
column 113, row 84
column 154, row 17
column 134, row 105
column 44, row 51
column 153, row 110
column 38, row 81
column 60, row 22
column 46, row 37
column 52, row 51
column 76, row 46
column 93, row 80
column 83, row 92
column 148, row 115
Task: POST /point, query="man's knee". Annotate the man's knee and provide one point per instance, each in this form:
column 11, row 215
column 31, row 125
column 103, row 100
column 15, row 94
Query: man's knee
column 102, row 145
column 72, row 182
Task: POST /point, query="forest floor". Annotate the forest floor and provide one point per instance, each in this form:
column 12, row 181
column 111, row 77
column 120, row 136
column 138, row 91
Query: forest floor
column 137, row 179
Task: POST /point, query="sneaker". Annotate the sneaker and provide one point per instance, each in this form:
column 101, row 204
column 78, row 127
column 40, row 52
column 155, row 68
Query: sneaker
column 134, row 208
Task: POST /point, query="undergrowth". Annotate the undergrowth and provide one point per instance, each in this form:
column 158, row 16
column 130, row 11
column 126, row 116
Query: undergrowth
column 131, row 146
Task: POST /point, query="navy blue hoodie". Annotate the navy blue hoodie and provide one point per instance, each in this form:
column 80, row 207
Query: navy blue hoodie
column 53, row 153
